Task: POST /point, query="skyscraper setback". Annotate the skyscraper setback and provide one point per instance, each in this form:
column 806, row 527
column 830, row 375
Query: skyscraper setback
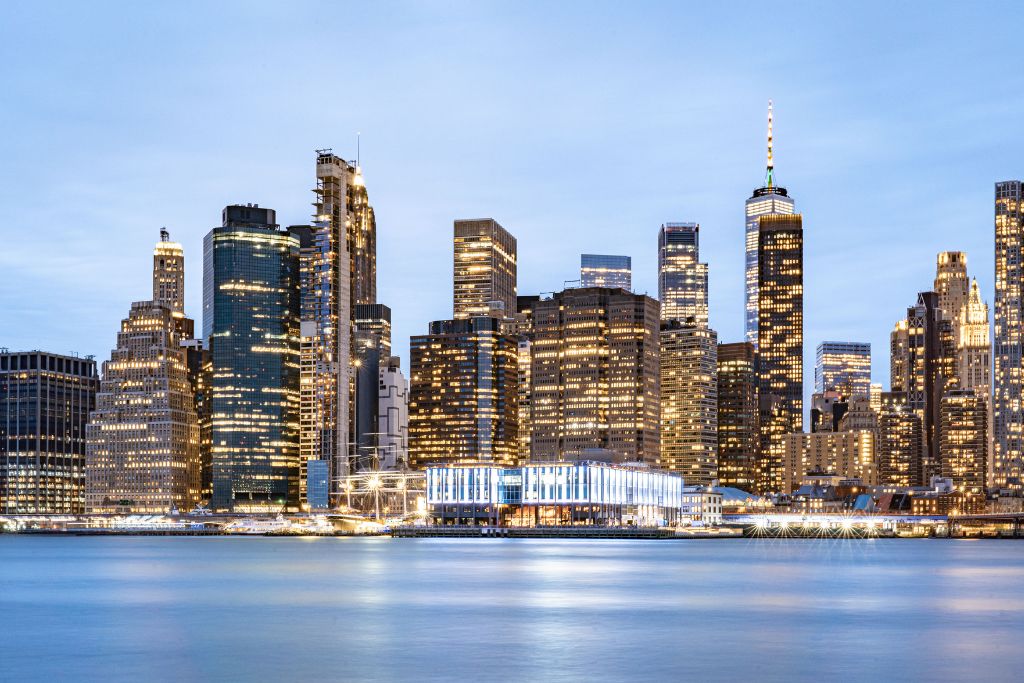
column 766, row 201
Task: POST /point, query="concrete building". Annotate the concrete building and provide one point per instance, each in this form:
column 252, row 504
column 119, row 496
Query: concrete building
column 485, row 269
column 463, row 394
column 393, row 416
column 689, row 401
column 850, row 455
column 45, row 401
column 595, row 374
column 603, row 270
column 142, row 440
column 251, row 315
column 738, row 416
column 682, row 279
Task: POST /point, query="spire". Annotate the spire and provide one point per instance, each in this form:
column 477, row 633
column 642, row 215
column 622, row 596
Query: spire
column 770, row 179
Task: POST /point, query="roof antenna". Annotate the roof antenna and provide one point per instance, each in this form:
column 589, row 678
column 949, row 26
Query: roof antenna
column 357, row 150
column 164, row 235
column 771, row 163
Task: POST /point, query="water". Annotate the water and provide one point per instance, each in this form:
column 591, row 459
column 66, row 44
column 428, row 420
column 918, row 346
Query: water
column 378, row 609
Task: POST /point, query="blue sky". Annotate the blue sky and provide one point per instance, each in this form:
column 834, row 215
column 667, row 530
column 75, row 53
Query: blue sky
column 581, row 127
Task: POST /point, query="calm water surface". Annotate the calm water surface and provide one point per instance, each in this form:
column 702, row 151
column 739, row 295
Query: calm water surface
column 377, row 609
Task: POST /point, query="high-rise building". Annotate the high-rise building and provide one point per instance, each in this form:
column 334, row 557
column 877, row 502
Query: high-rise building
column 900, row 441
column 846, row 454
column 45, row 401
column 689, row 401
column 372, row 349
column 200, row 376
column 964, row 445
column 143, row 441
column 485, row 269
column 843, row 367
column 738, row 416
column 780, row 338
column 1008, row 336
column 463, row 394
column 338, row 273
column 393, row 416
column 603, row 270
column 769, row 200
column 924, row 367
column 973, row 344
column 523, row 327
column 251, row 307
column 375, row 319
column 951, row 281
column 682, row 279
column 595, row 374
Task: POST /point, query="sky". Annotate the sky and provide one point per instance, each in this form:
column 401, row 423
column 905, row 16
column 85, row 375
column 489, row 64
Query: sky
column 580, row 127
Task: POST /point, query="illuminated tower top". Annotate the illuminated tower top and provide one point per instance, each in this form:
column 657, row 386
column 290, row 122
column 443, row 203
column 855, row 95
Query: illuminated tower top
column 169, row 273
column 770, row 174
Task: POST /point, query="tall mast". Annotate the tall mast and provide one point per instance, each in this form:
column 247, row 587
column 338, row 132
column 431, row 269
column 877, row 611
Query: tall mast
column 771, row 164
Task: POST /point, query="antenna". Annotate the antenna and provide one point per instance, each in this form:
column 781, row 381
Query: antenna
column 771, row 162
column 164, row 235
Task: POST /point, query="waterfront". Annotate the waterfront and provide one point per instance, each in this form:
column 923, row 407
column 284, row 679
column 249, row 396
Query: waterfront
column 380, row 609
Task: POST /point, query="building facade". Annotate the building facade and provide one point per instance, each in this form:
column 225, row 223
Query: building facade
column 682, row 279
column 689, row 402
column 843, row 367
column 595, row 375
column 393, row 416
column 485, row 269
column 463, row 394
column 850, row 455
column 45, row 401
column 780, row 332
column 900, row 441
column 251, row 310
column 604, row 270
column 964, row 445
column 738, row 416
column 1008, row 338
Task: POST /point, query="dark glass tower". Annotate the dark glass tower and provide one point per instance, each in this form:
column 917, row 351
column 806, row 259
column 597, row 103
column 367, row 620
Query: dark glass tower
column 251, row 322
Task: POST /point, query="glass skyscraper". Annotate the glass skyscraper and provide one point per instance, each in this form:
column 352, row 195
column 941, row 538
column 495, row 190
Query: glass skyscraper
column 766, row 201
column 251, row 321
column 604, row 270
column 682, row 279
column 485, row 269
column 843, row 367
column 1008, row 348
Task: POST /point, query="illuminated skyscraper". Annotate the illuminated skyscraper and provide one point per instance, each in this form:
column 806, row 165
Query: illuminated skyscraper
column 45, row 400
column 251, row 322
column 924, row 367
column 689, row 401
column 485, row 269
column 973, row 345
column 951, row 282
column 601, row 270
column 780, row 337
column 1008, row 349
column 766, row 201
column 738, row 415
column 595, row 374
column 900, row 442
column 142, row 441
column 682, row 279
column 964, row 445
column 463, row 394
column 843, row 367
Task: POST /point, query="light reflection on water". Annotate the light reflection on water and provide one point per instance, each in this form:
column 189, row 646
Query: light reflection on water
column 254, row 609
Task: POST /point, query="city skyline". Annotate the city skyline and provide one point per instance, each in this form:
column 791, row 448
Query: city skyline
column 473, row 171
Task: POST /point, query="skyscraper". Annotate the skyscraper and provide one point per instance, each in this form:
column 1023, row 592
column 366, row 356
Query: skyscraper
column 766, row 201
column 485, row 269
column 689, row 401
column 45, row 400
column 602, row 270
column 964, row 445
column 738, row 415
column 251, row 322
column 463, row 394
column 393, row 416
column 1008, row 349
column 595, row 374
column 973, row 344
column 372, row 350
column 142, row 441
column 951, row 281
column 900, row 441
column 682, row 279
column 843, row 367
column 780, row 337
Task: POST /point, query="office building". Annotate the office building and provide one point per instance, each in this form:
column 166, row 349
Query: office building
column 143, row 440
column 843, row 367
column 964, row 445
column 682, row 279
column 689, row 401
column 485, row 269
column 738, row 416
column 45, row 401
column 973, row 344
column 200, row 376
column 393, row 416
column 769, row 200
column 463, row 394
column 850, row 455
column 375, row 319
column 1008, row 338
column 602, row 270
column 900, row 441
column 371, row 352
column 595, row 374
column 251, row 309
column 780, row 333
column 951, row 282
